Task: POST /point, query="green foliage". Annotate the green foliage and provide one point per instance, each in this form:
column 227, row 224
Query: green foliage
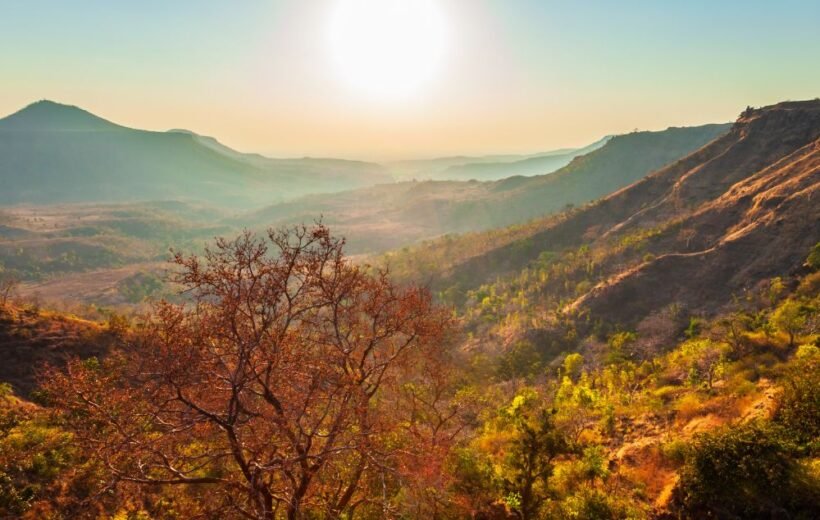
column 799, row 410
column 813, row 260
column 474, row 473
column 702, row 360
column 529, row 461
column 520, row 360
column 34, row 454
column 140, row 287
column 595, row 463
column 675, row 451
column 590, row 503
column 746, row 471
column 618, row 345
column 118, row 324
column 572, row 366
column 776, row 288
column 694, row 327
column 790, row 318
column 579, row 406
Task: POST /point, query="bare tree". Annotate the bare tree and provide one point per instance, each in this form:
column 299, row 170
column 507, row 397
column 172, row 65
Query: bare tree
column 8, row 287
column 269, row 387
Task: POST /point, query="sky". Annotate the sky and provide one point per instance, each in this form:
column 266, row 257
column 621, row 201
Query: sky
column 483, row 77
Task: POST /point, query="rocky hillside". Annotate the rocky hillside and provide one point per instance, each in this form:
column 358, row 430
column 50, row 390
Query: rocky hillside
column 758, row 228
column 739, row 210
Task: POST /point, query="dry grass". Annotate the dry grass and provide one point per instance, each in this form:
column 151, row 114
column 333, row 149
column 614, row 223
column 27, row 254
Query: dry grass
column 30, row 338
column 98, row 287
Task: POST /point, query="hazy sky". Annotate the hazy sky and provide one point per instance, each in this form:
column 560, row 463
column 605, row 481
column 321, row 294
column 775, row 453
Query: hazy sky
column 509, row 75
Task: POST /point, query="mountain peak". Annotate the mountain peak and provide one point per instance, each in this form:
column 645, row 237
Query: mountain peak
column 46, row 115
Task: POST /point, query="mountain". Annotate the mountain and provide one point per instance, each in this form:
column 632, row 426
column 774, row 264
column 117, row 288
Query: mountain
column 695, row 234
column 486, row 167
column 44, row 116
column 52, row 153
column 425, row 169
column 535, row 165
column 388, row 216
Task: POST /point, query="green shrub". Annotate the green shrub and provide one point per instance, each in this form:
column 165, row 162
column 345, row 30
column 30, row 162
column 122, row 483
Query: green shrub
column 675, row 451
column 813, row 261
column 799, row 410
column 746, row 471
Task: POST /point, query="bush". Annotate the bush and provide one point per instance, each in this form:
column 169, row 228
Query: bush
column 746, row 471
column 594, row 504
column 675, row 451
column 799, row 410
column 118, row 324
column 521, row 360
column 813, row 261
column 668, row 393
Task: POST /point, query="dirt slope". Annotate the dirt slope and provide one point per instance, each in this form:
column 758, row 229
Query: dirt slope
column 740, row 209
column 30, row 338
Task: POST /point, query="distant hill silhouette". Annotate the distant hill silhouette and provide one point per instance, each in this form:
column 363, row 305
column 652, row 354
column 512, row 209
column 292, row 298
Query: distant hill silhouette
column 47, row 115
column 487, row 167
column 51, row 152
column 529, row 166
column 387, row 216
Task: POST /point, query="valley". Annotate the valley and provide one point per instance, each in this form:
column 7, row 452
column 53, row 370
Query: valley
column 616, row 319
column 98, row 238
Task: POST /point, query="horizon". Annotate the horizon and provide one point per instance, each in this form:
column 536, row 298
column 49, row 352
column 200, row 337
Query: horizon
column 287, row 79
column 387, row 161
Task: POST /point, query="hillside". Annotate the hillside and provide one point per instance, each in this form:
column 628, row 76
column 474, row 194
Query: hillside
column 706, row 228
column 53, row 153
column 31, row 338
column 389, row 216
column 527, row 167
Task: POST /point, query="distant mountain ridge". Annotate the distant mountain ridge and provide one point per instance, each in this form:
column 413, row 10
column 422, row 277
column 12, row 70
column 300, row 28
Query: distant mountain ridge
column 535, row 165
column 52, row 153
column 487, row 167
column 387, row 216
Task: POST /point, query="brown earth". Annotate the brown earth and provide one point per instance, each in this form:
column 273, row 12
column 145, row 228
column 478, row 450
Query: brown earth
column 30, row 339
column 99, row 286
column 741, row 209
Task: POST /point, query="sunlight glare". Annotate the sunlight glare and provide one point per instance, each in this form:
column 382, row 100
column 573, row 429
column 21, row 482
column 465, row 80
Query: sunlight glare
column 387, row 49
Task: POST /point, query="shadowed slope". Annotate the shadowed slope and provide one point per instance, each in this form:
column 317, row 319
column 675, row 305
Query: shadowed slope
column 739, row 210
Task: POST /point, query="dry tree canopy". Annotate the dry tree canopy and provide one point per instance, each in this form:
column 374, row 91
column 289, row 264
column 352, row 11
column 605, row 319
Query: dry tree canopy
column 277, row 388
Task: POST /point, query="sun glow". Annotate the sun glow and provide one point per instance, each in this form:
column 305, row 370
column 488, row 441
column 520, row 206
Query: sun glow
column 387, row 49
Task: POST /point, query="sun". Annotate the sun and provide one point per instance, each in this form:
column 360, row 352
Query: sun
column 387, row 49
